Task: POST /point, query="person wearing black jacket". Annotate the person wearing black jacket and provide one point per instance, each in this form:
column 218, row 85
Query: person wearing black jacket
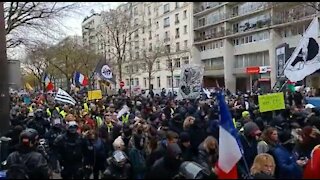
column 26, row 161
column 70, row 148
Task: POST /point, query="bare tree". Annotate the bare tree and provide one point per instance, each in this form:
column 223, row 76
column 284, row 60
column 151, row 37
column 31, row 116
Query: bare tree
column 24, row 19
column 119, row 29
column 35, row 62
column 63, row 59
column 149, row 59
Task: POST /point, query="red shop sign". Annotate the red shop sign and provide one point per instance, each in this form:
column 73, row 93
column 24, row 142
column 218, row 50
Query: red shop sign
column 253, row 70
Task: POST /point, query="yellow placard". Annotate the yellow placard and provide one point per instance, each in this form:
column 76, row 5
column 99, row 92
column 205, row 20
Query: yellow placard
column 271, row 102
column 96, row 94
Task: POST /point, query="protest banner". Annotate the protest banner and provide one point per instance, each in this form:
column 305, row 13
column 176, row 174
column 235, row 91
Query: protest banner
column 271, row 102
column 95, row 94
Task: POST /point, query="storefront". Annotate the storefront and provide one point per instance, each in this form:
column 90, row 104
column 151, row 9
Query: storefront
column 259, row 77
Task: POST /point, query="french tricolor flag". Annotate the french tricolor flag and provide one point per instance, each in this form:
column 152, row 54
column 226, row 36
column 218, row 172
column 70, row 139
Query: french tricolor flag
column 229, row 150
column 80, row 79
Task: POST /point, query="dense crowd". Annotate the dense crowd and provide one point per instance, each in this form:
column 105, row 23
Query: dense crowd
column 156, row 136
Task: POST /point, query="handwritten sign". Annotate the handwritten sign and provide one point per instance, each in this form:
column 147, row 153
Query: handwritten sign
column 271, row 102
column 96, row 94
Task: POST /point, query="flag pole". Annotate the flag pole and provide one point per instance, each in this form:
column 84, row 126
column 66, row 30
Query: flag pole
column 286, row 65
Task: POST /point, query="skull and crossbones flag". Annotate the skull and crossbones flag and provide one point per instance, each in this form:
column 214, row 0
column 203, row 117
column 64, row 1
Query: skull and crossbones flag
column 305, row 59
column 104, row 71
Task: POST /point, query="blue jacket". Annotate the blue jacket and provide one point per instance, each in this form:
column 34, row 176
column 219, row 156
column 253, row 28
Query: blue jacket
column 286, row 166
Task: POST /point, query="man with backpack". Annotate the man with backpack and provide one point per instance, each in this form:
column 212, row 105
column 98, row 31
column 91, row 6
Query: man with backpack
column 26, row 162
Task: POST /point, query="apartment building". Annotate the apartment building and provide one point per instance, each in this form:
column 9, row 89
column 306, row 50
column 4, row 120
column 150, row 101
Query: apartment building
column 165, row 25
column 237, row 41
column 91, row 33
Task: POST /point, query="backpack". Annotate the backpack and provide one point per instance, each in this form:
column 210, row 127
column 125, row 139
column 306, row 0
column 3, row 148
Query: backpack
column 18, row 170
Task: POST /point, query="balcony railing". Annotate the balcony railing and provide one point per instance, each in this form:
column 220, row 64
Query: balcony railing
column 250, row 27
column 203, row 8
column 211, row 36
column 166, row 39
column 222, row 17
column 292, row 16
column 248, row 10
column 216, row 67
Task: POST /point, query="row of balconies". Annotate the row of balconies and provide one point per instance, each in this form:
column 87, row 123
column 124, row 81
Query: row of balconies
column 254, row 26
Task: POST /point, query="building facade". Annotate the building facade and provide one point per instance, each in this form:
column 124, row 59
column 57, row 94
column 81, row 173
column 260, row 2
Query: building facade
column 236, row 42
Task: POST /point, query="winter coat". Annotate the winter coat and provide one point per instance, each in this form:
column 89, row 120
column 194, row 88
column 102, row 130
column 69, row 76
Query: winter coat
column 286, row 166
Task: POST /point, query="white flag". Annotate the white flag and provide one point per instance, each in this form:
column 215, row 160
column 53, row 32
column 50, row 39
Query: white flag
column 124, row 110
column 64, row 97
column 305, row 59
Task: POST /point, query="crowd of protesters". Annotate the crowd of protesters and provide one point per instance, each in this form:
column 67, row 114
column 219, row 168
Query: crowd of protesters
column 161, row 137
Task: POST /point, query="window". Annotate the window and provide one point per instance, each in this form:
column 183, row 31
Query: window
column 137, row 81
column 159, row 82
column 145, row 82
column 166, row 34
column 185, row 14
column 168, row 48
column 150, row 36
column 132, row 82
column 137, row 55
column 135, row 11
column 185, row 31
column 169, row 63
column 136, row 68
column 177, row 5
column 177, row 33
column 143, row 42
column 176, row 18
column 156, row 10
column 149, row 10
column 158, row 65
column 157, row 24
column 136, row 21
column 166, row 8
column 150, row 47
column 169, row 82
column 166, row 22
column 126, row 68
column 127, row 82
column 177, row 63
column 201, row 22
column 177, row 81
column 185, row 44
column 177, row 47
column 185, row 60
column 149, row 22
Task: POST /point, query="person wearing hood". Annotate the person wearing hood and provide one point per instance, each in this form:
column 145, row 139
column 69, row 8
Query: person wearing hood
column 184, row 143
column 70, row 148
column 249, row 140
column 137, row 156
column 167, row 167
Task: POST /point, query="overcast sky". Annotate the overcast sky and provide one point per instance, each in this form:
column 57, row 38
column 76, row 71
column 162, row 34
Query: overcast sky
column 73, row 22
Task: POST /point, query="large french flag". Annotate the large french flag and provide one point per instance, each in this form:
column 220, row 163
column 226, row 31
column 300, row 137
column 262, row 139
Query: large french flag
column 229, row 150
column 49, row 85
column 80, row 79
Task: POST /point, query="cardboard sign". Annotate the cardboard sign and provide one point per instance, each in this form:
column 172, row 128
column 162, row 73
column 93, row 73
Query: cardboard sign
column 271, row 102
column 96, row 94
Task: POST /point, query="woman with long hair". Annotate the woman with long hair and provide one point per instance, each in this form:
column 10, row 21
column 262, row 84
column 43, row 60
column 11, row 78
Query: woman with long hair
column 263, row 167
column 269, row 138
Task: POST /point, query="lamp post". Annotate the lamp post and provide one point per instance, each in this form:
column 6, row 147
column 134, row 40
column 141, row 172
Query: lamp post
column 4, row 90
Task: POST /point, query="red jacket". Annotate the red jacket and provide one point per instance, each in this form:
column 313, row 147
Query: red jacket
column 312, row 169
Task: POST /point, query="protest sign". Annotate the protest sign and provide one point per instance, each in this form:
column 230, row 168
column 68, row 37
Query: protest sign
column 271, row 102
column 96, row 94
